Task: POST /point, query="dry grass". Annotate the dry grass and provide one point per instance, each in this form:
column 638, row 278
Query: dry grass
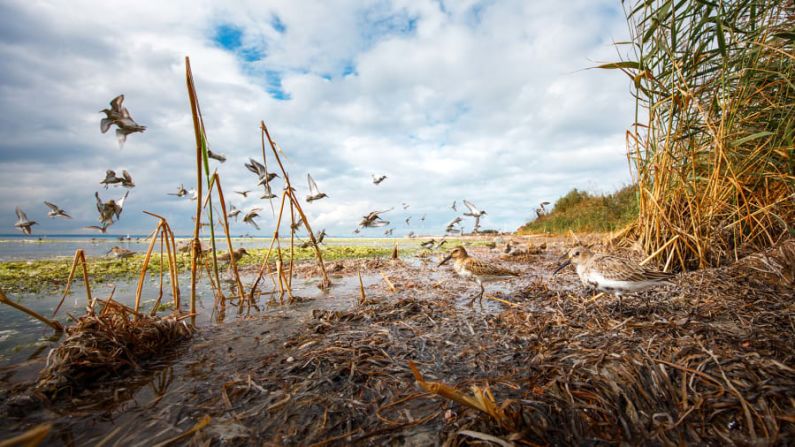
column 712, row 143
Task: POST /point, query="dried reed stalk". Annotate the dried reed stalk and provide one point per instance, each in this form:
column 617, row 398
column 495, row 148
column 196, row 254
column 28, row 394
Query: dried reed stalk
column 51, row 323
column 80, row 257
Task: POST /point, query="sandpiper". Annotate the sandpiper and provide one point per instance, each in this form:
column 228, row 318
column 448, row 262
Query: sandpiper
column 56, row 211
column 541, row 210
column 23, row 223
column 611, row 274
column 233, row 212
column 268, row 192
column 181, row 191
column 126, row 179
column 374, row 220
column 243, row 193
column 389, row 232
column 379, row 179
column 120, row 253
column 249, row 217
column 110, row 179
column 261, row 170
column 408, row 220
column 405, row 205
column 314, row 192
column 214, row 156
column 109, row 209
column 120, row 116
column 102, row 229
column 239, row 253
column 470, row 268
column 453, row 207
column 473, row 211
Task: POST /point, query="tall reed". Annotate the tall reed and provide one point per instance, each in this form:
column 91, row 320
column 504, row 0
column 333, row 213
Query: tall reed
column 711, row 148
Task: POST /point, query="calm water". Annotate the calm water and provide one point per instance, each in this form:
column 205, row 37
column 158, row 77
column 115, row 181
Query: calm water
column 23, row 337
column 25, row 248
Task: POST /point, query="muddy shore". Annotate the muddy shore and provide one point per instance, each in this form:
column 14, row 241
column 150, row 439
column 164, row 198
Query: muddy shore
column 706, row 361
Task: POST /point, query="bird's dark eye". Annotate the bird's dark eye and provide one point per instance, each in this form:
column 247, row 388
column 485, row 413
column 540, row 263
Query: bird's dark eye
column 577, row 253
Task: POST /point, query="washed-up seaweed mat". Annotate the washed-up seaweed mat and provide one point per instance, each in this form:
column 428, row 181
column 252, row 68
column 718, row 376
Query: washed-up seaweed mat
column 105, row 344
column 707, row 362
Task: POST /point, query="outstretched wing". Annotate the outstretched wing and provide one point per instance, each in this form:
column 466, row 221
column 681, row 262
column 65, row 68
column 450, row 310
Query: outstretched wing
column 120, row 202
column 472, row 208
column 126, row 176
column 99, row 202
column 52, row 206
column 312, row 185
column 105, row 124
column 21, row 214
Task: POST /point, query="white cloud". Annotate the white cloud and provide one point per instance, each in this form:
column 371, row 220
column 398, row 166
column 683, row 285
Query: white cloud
column 480, row 100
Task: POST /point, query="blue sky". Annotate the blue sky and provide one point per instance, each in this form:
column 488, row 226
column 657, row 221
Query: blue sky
column 486, row 101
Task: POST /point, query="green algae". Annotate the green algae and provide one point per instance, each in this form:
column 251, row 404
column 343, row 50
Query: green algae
column 38, row 275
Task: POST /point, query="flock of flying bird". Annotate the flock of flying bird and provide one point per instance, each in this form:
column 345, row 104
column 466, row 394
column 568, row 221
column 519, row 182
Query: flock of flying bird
column 110, row 210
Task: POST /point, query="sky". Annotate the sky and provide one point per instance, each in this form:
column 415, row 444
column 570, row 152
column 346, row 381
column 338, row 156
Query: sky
column 489, row 101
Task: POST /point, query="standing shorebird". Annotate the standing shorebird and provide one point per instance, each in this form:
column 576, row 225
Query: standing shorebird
column 120, row 253
column 611, row 274
column 239, row 252
column 56, row 211
column 479, row 271
column 314, row 191
column 23, row 223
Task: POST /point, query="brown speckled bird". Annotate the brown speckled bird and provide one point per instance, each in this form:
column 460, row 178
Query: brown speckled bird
column 611, row 274
column 239, row 253
column 477, row 270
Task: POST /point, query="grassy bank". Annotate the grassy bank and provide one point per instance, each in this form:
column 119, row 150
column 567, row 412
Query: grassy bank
column 580, row 211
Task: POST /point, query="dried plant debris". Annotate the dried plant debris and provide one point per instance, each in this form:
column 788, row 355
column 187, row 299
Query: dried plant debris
column 104, row 345
column 708, row 361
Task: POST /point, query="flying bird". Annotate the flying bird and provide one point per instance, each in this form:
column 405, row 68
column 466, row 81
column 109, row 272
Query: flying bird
column 126, row 179
column 107, row 210
column 249, row 217
column 102, row 229
column 405, row 205
column 389, row 232
column 56, row 211
column 110, row 179
column 408, row 220
column 475, row 213
column 268, row 192
column 214, row 156
column 453, row 207
column 373, row 220
column 233, row 212
column 261, row 170
column 243, row 193
column 314, row 192
column 541, row 210
column 23, row 223
column 379, row 179
column 120, row 116
column 194, row 195
column 181, row 191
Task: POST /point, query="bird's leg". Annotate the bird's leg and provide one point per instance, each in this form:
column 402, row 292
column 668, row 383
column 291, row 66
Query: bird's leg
column 480, row 297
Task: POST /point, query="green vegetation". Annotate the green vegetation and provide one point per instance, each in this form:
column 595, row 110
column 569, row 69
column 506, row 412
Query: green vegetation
column 580, row 211
column 32, row 276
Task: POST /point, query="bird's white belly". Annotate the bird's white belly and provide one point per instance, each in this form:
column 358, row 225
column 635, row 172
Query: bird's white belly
column 597, row 280
column 463, row 272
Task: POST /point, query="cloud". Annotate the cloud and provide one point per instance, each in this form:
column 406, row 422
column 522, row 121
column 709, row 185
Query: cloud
column 480, row 100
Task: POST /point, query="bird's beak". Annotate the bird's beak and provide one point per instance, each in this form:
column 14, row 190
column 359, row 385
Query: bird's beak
column 561, row 266
column 444, row 261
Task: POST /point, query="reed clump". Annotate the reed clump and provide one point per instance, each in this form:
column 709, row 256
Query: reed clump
column 711, row 147
column 106, row 344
